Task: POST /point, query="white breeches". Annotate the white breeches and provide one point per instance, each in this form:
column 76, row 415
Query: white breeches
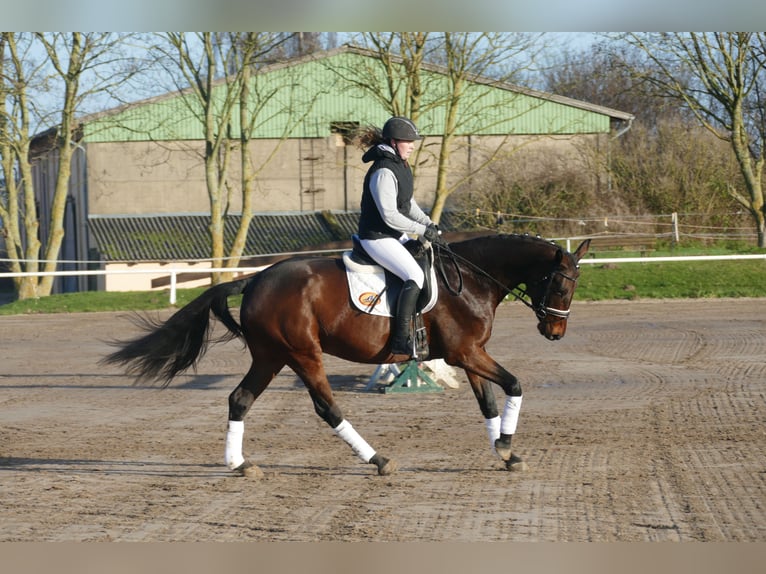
column 393, row 255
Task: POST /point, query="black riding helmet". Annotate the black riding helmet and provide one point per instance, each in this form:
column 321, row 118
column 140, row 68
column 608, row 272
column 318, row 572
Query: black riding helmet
column 399, row 128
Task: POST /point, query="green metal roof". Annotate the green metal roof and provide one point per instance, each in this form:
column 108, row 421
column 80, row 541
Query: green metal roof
column 187, row 237
column 320, row 89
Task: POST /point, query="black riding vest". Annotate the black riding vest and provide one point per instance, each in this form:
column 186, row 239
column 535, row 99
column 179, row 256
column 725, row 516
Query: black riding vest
column 371, row 224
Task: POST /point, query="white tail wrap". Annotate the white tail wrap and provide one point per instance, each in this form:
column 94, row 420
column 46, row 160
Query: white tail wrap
column 510, row 415
column 360, row 447
column 234, row 435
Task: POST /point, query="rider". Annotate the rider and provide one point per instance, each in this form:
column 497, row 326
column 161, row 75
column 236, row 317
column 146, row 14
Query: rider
column 389, row 213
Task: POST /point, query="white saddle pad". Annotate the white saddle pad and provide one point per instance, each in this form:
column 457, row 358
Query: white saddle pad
column 367, row 286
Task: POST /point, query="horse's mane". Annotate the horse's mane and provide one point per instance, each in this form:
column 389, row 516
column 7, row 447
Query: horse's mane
column 524, row 238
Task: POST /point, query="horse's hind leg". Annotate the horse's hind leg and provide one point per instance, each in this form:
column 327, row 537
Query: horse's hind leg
column 241, row 399
column 311, row 371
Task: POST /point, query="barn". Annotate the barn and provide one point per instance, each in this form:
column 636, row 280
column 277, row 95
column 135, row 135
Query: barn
column 138, row 194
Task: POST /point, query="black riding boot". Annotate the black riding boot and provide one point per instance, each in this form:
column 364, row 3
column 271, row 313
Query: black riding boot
column 401, row 344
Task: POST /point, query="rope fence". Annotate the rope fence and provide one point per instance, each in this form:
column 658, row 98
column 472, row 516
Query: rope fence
column 674, row 228
column 702, row 227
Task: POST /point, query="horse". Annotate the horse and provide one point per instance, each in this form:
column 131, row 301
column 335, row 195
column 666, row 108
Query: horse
column 299, row 308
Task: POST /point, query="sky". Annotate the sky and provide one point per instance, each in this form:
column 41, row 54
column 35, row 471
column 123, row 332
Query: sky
column 399, row 15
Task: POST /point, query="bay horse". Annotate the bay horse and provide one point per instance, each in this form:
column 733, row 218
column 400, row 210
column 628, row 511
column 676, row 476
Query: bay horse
column 296, row 310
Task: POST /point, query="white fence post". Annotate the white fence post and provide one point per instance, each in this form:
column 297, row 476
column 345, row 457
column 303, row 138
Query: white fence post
column 173, row 282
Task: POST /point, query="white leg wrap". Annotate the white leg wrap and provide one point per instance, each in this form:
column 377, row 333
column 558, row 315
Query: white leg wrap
column 493, row 430
column 234, row 436
column 510, row 415
column 360, row 447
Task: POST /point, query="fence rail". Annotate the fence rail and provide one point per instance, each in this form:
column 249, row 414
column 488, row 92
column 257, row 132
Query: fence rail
column 173, row 272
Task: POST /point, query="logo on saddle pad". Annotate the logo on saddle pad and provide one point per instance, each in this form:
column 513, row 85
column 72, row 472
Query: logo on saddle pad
column 369, row 299
column 371, row 293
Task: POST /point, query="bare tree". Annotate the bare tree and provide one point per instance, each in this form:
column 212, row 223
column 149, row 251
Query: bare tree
column 667, row 162
column 720, row 77
column 470, row 60
column 444, row 76
column 80, row 65
column 17, row 201
column 302, row 43
column 230, row 108
column 401, row 55
column 603, row 73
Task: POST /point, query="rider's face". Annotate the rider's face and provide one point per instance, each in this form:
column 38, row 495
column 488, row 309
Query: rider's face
column 405, row 148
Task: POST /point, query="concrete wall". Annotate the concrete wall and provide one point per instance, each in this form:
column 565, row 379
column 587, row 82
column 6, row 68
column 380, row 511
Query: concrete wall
column 296, row 175
column 169, row 177
column 151, row 276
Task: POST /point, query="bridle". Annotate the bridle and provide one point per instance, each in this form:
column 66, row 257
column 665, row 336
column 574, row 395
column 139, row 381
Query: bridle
column 542, row 310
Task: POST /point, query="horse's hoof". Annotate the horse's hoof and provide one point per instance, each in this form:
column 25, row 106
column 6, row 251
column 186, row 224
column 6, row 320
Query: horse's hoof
column 503, row 449
column 390, row 467
column 515, row 464
column 249, row 470
column 385, row 465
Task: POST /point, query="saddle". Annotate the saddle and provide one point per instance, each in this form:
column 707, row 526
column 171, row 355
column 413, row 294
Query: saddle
column 375, row 290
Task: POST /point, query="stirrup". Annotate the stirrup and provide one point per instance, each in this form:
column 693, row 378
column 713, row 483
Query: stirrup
column 405, row 348
column 421, row 337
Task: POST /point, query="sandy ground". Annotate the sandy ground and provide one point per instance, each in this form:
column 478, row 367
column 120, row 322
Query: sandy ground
column 645, row 423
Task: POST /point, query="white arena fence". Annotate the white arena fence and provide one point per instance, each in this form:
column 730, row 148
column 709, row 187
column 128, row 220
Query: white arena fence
column 173, row 273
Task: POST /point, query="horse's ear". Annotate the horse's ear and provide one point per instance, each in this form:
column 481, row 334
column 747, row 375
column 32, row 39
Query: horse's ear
column 582, row 249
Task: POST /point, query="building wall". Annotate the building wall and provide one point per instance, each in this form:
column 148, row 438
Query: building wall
column 135, row 178
column 155, row 276
column 74, row 246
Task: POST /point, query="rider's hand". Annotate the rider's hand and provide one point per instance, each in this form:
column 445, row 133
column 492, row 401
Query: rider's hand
column 432, row 233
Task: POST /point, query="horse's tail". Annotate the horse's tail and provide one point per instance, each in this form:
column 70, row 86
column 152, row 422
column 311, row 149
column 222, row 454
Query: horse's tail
column 169, row 348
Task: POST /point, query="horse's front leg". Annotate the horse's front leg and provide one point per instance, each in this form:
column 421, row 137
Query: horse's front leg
column 482, row 370
column 485, row 396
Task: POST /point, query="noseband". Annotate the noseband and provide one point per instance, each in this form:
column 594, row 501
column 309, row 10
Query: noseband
column 542, row 310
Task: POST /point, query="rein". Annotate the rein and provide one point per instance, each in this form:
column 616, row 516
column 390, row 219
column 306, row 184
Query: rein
column 453, row 257
column 541, row 311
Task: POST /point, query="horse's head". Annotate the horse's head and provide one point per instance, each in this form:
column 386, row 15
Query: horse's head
column 548, row 272
column 552, row 292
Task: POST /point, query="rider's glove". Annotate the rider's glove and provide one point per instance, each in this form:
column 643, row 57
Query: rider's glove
column 432, row 233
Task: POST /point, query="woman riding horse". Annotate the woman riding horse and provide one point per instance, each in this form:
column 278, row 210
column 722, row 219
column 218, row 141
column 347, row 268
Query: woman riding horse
column 296, row 310
column 389, row 213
